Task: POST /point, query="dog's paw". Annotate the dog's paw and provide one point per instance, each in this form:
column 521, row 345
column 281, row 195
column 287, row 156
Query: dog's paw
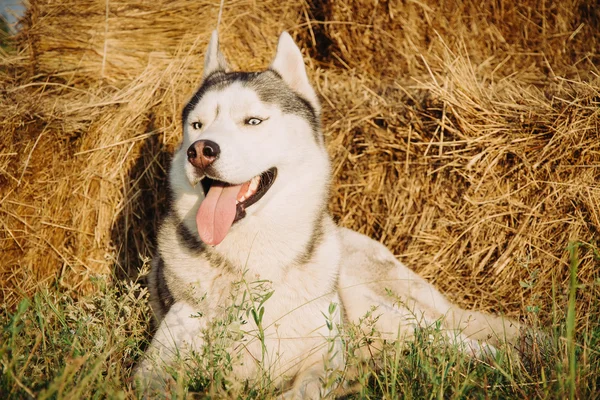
column 307, row 386
column 150, row 381
column 304, row 394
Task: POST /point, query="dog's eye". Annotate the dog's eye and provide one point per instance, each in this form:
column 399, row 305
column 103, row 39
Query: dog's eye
column 253, row 121
column 197, row 125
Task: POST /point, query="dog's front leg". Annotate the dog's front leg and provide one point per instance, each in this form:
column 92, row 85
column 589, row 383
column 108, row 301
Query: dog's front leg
column 320, row 378
column 178, row 334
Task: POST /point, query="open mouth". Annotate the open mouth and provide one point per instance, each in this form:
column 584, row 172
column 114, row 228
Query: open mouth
column 250, row 192
column 226, row 203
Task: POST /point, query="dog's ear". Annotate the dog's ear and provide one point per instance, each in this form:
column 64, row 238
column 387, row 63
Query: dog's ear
column 214, row 60
column 288, row 63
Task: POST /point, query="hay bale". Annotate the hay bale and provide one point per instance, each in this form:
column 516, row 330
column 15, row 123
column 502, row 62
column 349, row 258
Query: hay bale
column 391, row 39
column 116, row 40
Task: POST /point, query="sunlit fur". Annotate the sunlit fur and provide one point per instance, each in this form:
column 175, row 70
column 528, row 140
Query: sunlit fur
column 287, row 239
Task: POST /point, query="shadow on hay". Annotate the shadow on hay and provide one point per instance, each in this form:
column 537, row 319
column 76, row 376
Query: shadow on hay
column 146, row 197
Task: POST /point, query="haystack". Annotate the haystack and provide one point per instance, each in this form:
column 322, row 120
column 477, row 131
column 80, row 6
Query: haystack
column 479, row 187
column 84, row 41
column 464, row 135
column 391, row 39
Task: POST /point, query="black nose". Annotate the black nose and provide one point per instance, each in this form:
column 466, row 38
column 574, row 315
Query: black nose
column 211, row 149
column 202, row 153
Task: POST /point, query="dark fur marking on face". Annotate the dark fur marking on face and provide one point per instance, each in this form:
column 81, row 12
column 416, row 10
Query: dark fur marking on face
column 165, row 298
column 216, row 81
column 271, row 89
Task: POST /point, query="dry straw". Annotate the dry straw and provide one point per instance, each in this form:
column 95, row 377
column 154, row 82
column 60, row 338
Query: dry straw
column 465, row 135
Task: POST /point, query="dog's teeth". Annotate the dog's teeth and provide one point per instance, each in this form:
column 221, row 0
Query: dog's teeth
column 252, row 187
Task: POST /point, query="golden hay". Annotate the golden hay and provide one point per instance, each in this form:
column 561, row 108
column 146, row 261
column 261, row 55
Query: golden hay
column 87, row 40
column 466, row 137
column 478, row 187
column 392, row 38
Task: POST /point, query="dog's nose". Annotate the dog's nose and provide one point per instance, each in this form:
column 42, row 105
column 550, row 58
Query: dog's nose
column 202, row 153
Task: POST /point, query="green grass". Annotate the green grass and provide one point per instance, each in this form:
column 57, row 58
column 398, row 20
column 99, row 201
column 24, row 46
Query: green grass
column 53, row 346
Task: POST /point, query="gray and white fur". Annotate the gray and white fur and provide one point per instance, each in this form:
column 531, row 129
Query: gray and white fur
column 266, row 121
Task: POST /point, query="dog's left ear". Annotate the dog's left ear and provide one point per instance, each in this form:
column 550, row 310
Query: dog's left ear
column 214, row 60
column 288, row 63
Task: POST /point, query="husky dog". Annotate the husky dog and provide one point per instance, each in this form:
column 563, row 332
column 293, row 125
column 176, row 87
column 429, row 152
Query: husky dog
column 250, row 187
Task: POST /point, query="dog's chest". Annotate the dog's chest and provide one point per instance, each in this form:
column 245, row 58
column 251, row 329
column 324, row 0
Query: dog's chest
column 270, row 324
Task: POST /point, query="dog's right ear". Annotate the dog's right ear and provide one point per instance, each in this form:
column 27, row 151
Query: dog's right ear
column 214, row 60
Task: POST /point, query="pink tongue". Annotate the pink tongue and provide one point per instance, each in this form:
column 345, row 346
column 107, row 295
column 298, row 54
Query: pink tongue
column 216, row 213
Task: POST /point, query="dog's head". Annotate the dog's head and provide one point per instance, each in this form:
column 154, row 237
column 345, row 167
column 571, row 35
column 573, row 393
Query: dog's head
column 249, row 137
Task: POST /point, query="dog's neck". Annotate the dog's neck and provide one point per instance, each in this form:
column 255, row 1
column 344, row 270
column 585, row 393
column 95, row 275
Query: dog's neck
column 277, row 234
